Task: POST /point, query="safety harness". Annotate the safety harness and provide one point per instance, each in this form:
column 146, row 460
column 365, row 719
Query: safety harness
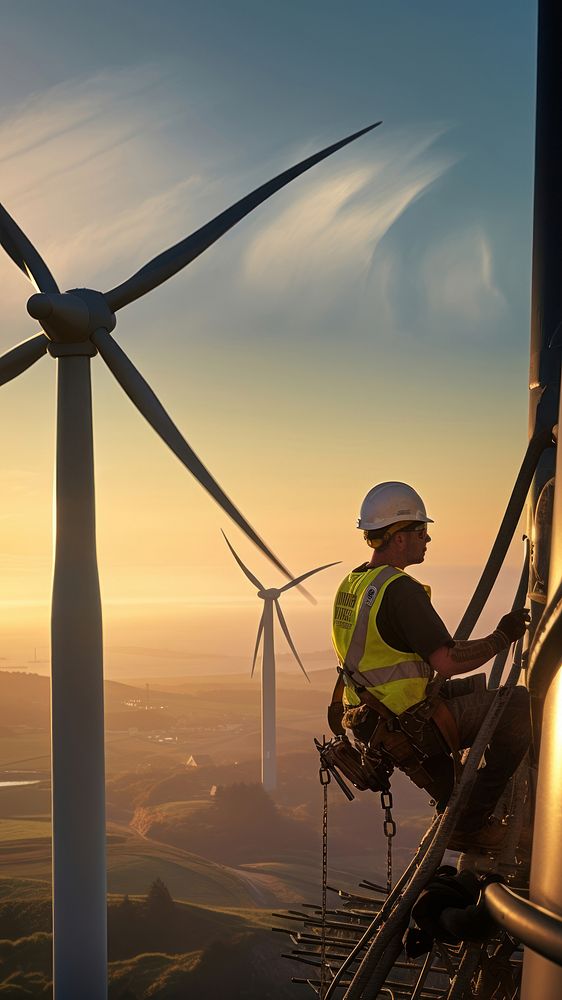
column 422, row 741
column 414, row 742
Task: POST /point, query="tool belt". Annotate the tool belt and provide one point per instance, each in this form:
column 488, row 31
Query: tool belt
column 418, row 742
column 416, row 747
column 363, row 769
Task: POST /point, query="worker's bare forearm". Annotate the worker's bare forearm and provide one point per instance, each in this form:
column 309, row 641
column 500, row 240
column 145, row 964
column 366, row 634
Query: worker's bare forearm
column 465, row 655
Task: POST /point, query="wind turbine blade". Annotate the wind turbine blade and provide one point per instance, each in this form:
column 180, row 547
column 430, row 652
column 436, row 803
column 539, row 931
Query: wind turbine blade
column 14, row 362
column 287, row 635
column 253, row 579
column 140, row 393
column 299, row 579
column 258, row 639
column 168, row 263
column 23, row 253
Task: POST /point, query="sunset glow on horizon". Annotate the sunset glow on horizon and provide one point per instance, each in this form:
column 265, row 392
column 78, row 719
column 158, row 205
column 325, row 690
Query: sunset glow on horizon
column 369, row 323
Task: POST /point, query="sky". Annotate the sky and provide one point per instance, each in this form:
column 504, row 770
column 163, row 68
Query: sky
column 370, row 322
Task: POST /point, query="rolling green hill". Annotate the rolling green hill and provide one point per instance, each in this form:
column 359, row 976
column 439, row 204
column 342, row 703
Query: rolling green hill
column 158, row 948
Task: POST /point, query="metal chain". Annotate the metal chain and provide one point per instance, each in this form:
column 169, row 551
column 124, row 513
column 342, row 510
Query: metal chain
column 324, row 781
column 389, row 827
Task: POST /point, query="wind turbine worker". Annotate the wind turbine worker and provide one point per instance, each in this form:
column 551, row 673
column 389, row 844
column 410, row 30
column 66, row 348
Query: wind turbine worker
column 397, row 659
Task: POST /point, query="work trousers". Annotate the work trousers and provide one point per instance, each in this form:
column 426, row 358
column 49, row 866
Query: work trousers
column 505, row 752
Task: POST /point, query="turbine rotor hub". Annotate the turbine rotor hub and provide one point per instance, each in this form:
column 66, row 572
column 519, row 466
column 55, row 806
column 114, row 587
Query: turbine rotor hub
column 272, row 593
column 73, row 316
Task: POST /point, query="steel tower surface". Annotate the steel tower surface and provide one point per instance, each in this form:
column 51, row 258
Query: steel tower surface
column 542, row 977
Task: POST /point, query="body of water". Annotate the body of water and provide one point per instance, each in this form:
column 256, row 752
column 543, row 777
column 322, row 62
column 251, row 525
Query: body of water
column 12, row 784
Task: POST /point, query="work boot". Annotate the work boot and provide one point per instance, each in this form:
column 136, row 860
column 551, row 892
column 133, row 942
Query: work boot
column 488, row 838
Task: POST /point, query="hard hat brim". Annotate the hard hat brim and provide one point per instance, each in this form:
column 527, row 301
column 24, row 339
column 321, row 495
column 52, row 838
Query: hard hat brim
column 375, row 525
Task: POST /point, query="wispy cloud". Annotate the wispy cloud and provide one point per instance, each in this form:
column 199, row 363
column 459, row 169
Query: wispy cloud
column 105, row 172
column 128, row 237
column 85, row 170
column 335, row 223
column 328, row 248
column 72, row 108
column 97, row 172
column 459, row 282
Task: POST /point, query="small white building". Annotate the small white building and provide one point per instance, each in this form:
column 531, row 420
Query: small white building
column 199, row 760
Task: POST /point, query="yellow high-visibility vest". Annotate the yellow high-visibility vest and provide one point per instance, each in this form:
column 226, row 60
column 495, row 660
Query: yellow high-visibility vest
column 397, row 678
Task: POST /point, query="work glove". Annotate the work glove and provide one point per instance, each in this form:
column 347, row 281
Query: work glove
column 513, row 624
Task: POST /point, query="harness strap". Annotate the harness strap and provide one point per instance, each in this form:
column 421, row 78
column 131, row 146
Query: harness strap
column 335, row 708
column 367, row 698
column 445, row 722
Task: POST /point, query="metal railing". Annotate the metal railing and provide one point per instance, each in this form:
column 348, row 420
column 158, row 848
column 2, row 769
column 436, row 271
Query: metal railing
column 533, row 925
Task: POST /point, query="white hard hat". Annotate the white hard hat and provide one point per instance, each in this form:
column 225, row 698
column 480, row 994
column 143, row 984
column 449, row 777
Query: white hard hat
column 390, row 502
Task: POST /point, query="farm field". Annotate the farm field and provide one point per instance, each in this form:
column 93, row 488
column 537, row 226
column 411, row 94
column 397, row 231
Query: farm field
column 219, row 853
column 18, row 831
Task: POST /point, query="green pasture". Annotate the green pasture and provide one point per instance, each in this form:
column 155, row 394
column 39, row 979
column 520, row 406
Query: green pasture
column 175, row 811
column 26, row 749
column 133, row 866
column 24, row 829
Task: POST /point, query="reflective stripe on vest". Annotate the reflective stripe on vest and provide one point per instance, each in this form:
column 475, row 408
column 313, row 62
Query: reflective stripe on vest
column 397, row 684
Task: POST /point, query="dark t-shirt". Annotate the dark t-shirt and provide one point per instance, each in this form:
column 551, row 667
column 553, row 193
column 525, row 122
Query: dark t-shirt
column 407, row 620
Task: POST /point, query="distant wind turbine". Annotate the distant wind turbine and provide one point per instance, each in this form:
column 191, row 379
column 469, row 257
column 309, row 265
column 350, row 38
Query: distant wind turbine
column 270, row 600
column 77, row 324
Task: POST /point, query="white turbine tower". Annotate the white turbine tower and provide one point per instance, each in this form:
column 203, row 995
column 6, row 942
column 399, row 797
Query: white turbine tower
column 76, row 327
column 270, row 600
